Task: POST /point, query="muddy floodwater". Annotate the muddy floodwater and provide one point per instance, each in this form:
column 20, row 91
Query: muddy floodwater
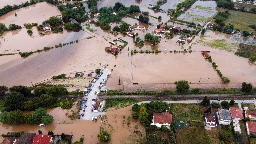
column 32, row 14
column 11, row 2
column 88, row 129
column 199, row 12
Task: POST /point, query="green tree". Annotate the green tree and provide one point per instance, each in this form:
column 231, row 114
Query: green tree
column 13, row 117
column 215, row 105
column 38, row 114
column 104, row 136
column 232, row 102
column 182, row 86
column 116, row 28
column 203, row 31
column 40, row 90
column 92, row 3
column 26, row 91
column 124, row 27
column 225, row 104
column 68, row 26
column 246, row 87
column 13, row 101
column 136, row 108
column 57, row 91
column 47, row 119
column 3, row 28
column 3, row 89
column 206, row 101
column 47, row 101
column 54, row 21
column 135, row 115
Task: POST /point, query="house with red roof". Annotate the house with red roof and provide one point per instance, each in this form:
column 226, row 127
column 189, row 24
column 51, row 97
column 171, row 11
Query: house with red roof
column 163, row 26
column 162, row 119
column 250, row 114
column 236, row 113
column 251, row 127
column 205, row 54
column 42, row 139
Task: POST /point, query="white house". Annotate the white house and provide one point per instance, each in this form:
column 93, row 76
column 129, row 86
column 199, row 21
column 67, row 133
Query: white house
column 162, row 119
column 210, row 120
column 224, row 117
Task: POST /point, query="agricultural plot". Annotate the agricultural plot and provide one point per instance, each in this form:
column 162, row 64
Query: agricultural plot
column 200, row 12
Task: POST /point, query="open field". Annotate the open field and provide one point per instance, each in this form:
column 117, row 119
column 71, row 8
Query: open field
column 32, row 14
column 192, row 135
column 241, row 20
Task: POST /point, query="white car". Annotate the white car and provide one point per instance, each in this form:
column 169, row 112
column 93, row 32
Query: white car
column 41, row 125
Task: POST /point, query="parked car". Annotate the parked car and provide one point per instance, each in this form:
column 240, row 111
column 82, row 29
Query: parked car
column 79, row 116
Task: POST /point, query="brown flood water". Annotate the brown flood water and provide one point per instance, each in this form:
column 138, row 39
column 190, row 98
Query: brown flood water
column 79, row 128
column 32, row 14
column 11, row 2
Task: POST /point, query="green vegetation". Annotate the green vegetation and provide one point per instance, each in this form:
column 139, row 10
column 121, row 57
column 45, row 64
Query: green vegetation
column 88, row 27
column 247, row 51
column 225, row 4
column 119, row 102
column 13, row 27
column 54, row 21
column 104, row 136
column 13, row 134
column 226, row 134
column 193, row 135
column 144, row 19
column 182, row 87
column 61, row 76
column 30, row 32
column 221, row 44
column 16, row 117
column 181, row 7
column 3, row 89
column 153, row 39
column 69, row 12
column 73, row 26
column 191, row 113
column 204, row 8
column 247, row 88
column 139, row 42
column 27, row 54
column 30, row 25
column 241, row 20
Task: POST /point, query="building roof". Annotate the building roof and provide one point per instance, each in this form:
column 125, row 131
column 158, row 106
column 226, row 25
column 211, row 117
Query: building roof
column 42, row 139
column 225, row 114
column 162, row 118
column 26, row 138
column 9, row 140
column 250, row 114
column 163, row 25
column 236, row 113
column 251, row 126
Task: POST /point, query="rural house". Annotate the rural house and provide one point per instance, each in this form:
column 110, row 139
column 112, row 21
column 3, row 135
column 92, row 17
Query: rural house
column 236, row 113
column 162, row 119
column 251, row 127
column 224, row 117
column 250, row 114
column 43, row 139
column 210, row 120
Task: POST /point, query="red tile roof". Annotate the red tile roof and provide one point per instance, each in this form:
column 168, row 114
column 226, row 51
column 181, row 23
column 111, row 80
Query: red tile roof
column 163, row 25
column 250, row 114
column 42, row 139
column 162, row 118
column 236, row 112
column 252, row 127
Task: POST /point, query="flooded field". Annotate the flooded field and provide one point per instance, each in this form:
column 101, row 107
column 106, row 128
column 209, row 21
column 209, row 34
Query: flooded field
column 199, row 12
column 170, row 4
column 88, row 129
column 11, row 2
column 32, row 14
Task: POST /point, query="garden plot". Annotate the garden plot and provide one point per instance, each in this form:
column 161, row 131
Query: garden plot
column 200, row 12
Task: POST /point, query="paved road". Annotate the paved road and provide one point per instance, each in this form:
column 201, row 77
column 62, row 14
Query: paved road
column 88, row 114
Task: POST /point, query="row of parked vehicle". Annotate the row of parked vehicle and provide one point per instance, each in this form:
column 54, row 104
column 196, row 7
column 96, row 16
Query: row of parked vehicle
column 82, row 108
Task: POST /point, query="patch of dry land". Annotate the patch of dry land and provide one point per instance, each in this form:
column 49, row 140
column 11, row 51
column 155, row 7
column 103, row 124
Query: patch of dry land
column 114, row 123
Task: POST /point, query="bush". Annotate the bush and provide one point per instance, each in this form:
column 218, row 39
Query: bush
column 13, row 27
column 97, row 71
column 225, row 104
column 225, row 80
column 206, row 101
column 135, row 115
column 61, row 76
column 136, row 108
column 30, row 32
column 215, row 105
column 182, row 86
column 247, row 88
column 104, row 136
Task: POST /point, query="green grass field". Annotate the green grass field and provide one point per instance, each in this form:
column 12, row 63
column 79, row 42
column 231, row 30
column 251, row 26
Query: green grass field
column 186, row 112
column 241, row 20
column 193, row 135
